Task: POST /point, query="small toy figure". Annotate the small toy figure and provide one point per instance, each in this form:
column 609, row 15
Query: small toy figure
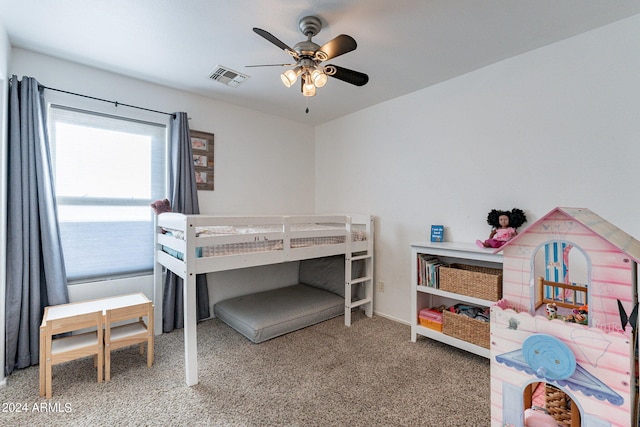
column 504, row 225
column 581, row 315
column 552, row 311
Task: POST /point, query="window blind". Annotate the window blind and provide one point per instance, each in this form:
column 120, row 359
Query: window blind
column 107, row 171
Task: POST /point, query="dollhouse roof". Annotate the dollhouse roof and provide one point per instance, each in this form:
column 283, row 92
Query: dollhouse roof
column 581, row 380
column 596, row 224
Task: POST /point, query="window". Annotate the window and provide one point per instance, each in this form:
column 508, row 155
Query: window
column 107, row 171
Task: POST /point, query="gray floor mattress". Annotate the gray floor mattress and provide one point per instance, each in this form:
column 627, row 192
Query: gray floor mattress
column 265, row 315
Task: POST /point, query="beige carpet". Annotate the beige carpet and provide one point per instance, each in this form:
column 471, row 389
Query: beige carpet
column 326, row 375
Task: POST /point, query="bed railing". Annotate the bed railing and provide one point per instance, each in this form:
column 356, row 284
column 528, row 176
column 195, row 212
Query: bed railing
column 282, row 230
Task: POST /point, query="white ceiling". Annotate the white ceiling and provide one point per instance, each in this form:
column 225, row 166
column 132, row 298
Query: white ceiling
column 403, row 45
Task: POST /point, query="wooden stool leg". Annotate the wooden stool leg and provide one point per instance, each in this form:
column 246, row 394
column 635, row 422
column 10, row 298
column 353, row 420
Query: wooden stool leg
column 42, row 378
column 107, row 363
column 42, row 364
column 150, row 352
column 151, row 338
column 100, row 364
column 48, row 377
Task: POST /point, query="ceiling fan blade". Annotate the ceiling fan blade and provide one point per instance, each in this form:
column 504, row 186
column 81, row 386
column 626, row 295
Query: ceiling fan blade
column 338, row 46
column 350, row 76
column 270, row 65
column 273, row 39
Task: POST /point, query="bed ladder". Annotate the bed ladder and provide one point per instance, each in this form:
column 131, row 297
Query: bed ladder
column 360, row 288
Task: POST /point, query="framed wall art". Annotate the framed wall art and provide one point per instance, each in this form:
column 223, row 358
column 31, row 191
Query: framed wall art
column 202, row 150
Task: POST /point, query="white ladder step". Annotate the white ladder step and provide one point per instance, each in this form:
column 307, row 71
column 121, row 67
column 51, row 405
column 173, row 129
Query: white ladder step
column 360, row 280
column 359, row 257
column 358, row 303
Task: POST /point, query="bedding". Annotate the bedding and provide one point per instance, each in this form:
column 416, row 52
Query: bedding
column 222, row 230
column 265, row 244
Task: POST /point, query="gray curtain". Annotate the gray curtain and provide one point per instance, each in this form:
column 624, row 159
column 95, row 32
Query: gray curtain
column 184, row 199
column 36, row 275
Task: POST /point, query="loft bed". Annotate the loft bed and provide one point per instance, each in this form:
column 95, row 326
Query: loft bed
column 189, row 245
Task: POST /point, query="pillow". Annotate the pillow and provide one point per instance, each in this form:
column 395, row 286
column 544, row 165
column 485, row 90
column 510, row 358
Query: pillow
column 327, row 273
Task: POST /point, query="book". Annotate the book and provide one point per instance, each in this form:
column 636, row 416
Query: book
column 423, row 268
column 434, row 276
column 437, row 233
column 428, row 269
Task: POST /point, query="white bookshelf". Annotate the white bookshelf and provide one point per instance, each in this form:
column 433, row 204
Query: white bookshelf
column 423, row 296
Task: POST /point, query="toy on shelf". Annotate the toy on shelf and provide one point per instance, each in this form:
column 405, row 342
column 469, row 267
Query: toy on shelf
column 504, row 227
column 578, row 315
column 552, row 310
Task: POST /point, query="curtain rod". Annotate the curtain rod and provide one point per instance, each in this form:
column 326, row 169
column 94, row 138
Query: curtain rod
column 116, row 103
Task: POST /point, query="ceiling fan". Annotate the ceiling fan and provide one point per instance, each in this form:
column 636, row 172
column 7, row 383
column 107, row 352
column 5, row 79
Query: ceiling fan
column 309, row 57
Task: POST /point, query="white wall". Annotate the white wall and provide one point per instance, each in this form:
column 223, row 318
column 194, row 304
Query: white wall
column 254, row 171
column 557, row 126
column 554, row 127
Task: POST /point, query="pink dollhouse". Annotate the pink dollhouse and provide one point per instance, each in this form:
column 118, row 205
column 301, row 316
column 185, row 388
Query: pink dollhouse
column 585, row 270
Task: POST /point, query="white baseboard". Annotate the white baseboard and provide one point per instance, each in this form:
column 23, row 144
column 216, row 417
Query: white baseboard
column 395, row 319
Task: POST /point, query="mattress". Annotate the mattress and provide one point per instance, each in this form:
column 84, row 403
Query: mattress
column 265, row 315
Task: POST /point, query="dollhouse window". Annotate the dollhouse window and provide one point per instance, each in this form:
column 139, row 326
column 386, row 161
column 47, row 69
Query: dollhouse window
column 560, row 261
column 563, row 263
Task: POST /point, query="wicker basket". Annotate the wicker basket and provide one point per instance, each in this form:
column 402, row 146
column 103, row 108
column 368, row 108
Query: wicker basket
column 558, row 404
column 471, row 280
column 465, row 328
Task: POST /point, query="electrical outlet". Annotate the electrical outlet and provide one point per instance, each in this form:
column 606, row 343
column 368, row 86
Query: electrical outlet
column 380, row 286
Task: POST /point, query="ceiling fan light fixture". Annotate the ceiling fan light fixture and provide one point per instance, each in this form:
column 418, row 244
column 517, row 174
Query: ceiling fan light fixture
column 308, row 88
column 309, row 57
column 319, row 78
column 289, row 77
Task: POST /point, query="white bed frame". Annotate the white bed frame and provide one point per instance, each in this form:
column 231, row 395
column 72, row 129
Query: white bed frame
column 190, row 265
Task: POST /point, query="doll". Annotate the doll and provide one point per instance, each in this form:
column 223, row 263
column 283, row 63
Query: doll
column 504, row 225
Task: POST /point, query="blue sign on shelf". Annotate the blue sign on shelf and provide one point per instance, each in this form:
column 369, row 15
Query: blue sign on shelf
column 437, row 233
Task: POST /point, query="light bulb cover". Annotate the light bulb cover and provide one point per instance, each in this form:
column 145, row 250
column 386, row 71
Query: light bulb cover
column 289, row 77
column 319, row 78
column 308, row 88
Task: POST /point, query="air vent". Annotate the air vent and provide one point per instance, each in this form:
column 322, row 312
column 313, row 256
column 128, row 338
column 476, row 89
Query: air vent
column 227, row 76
